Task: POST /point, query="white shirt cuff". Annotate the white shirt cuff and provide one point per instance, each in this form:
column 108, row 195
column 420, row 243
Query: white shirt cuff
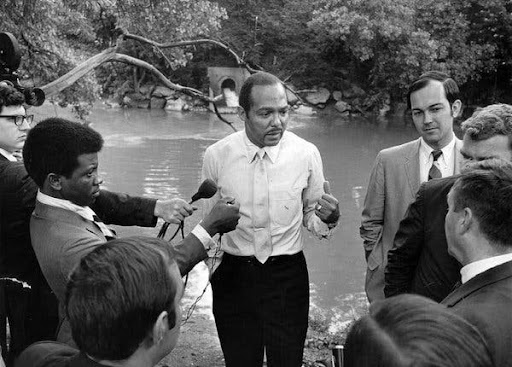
column 203, row 236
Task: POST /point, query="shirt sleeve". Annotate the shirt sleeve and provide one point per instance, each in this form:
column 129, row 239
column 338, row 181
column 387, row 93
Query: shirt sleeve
column 310, row 196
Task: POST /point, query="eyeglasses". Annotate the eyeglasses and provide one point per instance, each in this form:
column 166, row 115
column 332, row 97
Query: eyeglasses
column 19, row 119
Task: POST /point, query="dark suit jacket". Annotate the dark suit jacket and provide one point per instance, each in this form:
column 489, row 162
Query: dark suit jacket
column 419, row 261
column 17, row 198
column 61, row 238
column 53, row 354
column 486, row 302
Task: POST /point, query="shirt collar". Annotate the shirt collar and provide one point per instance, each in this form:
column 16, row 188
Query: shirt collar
column 8, row 155
column 471, row 270
column 252, row 149
column 426, row 150
column 83, row 211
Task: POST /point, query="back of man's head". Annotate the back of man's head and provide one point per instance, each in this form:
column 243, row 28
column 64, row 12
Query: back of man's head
column 10, row 96
column 53, row 146
column 411, row 330
column 260, row 78
column 489, row 121
column 451, row 89
column 116, row 294
column 486, row 189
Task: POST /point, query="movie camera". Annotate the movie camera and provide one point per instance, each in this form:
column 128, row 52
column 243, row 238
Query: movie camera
column 10, row 58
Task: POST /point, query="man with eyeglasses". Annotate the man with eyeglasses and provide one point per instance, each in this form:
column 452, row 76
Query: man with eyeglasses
column 30, row 307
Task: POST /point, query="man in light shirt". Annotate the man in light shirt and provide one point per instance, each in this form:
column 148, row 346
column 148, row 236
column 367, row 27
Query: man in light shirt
column 398, row 171
column 478, row 229
column 62, row 158
column 261, row 288
column 419, row 261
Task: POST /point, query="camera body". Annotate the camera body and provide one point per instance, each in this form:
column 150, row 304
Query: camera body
column 10, row 58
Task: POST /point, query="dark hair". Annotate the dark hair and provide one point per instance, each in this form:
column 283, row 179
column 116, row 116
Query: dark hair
column 53, row 146
column 116, row 293
column 10, row 96
column 260, row 78
column 495, row 119
column 451, row 89
column 486, row 188
column 410, row 330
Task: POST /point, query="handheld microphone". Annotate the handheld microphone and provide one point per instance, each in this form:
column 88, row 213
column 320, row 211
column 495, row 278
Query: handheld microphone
column 206, row 190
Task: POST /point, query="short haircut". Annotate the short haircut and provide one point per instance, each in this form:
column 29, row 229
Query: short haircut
column 411, row 330
column 495, row 119
column 116, row 293
column 486, row 189
column 10, row 96
column 451, row 89
column 260, row 78
column 53, row 146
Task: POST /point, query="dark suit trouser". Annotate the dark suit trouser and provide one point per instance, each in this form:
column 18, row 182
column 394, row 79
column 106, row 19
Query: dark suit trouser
column 261, row 306
column 32, row 315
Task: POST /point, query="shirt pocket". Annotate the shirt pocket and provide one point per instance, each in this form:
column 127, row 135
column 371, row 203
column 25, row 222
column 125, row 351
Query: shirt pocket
column 285, row 204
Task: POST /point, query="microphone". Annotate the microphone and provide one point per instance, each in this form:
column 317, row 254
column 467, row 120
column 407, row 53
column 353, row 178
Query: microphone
column 206, row 190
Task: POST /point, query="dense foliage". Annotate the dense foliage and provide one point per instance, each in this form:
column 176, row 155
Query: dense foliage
column 381, row 45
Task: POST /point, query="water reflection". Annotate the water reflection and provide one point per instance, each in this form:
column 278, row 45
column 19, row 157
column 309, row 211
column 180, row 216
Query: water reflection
column 159, row 154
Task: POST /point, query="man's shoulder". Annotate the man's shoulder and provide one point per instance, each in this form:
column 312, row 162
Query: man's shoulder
column 291, row 139
column 399, row 150
column 47, row 354
column 439, row 185
column 227, row 142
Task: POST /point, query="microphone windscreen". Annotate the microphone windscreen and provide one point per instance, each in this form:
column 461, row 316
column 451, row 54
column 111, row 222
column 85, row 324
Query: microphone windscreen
column 207, row 189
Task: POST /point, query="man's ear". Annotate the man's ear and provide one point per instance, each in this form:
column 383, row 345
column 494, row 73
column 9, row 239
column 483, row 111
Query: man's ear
column 54, row 181
column 241, row 113
column 466, row 221
column 456, row 108
column 161, row 327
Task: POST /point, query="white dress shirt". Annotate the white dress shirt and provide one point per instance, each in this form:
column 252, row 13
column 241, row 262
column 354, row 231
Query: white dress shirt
column 8, row 155
column 295, row 183
column 471, row 270
column 445, row 163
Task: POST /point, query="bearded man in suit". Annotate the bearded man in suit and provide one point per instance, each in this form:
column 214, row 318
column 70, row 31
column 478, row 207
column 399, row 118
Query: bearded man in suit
column 398, row 171
column 478, row 229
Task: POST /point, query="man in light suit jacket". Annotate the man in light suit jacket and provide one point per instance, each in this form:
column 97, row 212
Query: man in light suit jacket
column 479, row 233
column 62, row 158
column 419, row 261
column 398, row 171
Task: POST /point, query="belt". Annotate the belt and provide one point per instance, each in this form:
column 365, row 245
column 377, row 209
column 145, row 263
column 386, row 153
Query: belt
column 280, row 259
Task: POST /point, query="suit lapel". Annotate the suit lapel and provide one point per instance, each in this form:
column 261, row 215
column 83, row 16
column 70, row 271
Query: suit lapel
column 490, row 276
column 412, row 166
column 62, row 215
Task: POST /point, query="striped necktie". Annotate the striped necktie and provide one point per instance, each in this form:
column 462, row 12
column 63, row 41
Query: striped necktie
column 434, row 170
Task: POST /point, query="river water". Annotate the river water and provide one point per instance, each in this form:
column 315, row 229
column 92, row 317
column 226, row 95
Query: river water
column 156, row 153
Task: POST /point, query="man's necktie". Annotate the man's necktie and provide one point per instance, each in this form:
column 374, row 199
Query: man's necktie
column 434, row 170
column 261, row 215
column 107, row 232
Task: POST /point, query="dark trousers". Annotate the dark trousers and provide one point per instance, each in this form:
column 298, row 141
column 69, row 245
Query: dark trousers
column 261, row 306
column 32, row 315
